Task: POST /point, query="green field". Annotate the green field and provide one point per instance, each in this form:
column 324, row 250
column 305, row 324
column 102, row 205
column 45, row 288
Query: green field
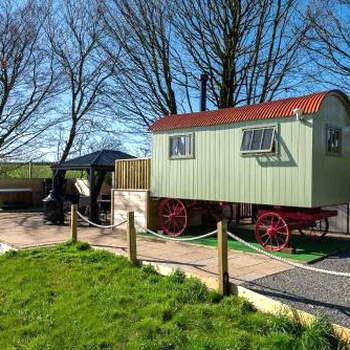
column 38, row 171
column 73, row 297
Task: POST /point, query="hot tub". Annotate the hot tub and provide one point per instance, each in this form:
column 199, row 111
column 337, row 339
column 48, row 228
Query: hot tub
column 15, row 197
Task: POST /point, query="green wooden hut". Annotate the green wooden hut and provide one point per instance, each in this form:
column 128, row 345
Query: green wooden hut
column 290, row 152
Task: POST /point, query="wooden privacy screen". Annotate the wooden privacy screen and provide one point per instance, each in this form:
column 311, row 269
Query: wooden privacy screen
column 133, row 174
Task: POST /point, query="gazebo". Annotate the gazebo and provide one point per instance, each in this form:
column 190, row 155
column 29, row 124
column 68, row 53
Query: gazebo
column 96, row 164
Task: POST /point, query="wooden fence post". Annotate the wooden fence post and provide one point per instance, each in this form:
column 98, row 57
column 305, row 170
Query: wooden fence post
column 73, row 222
column 30, row 170
column 131, row 238
column 224, row 285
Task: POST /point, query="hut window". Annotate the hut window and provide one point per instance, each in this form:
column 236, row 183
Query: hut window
column 333, row 140
column 181, row 146
column 258, row 140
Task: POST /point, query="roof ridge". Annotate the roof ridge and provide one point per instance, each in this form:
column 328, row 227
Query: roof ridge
column 310, row 104
column 97, row 157
column 254, row 104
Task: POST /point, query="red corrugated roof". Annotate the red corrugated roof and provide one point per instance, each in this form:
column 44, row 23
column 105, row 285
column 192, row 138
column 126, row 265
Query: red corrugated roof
column 310, row 104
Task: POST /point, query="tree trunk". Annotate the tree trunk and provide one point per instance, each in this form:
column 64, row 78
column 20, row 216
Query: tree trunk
column 72, row 134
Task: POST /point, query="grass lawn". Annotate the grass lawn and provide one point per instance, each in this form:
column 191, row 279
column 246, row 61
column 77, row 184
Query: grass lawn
column 307, row 250
column 74, row 297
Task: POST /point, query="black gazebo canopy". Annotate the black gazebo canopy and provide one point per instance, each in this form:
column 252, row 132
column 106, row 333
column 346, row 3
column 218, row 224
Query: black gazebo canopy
column 97, row 164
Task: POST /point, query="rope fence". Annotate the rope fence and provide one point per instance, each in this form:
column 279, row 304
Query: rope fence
column 181, row 239
column 275, row 257
column 257, row 249
column 100, row 226
column 222, row 246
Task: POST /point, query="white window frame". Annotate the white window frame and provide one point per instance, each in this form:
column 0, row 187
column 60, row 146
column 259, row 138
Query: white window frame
column 335, row 128
column 186, row 156
column 260, row 151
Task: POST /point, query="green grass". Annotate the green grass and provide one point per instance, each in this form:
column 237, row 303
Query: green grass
column 73, row 297
column 38, row 172
column 307, row 250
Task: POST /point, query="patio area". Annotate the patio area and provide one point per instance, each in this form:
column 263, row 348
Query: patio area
column 27, row 230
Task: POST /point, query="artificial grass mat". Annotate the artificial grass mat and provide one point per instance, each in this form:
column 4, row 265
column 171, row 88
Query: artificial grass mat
column 73, row 297
column 307, row 250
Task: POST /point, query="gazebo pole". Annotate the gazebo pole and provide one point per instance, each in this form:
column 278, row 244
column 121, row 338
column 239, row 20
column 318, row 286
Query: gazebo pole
column 93, row 197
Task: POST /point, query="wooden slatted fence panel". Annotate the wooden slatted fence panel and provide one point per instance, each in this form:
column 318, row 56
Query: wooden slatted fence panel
column 133, row 174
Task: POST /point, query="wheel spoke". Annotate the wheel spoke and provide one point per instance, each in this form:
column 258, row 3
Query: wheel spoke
column 279, row 235
column 175, row 224
column 172, row 216
column 265, row 222
column 278, row 222
column 283, row 238
column 182, row 210
column 279, row 228
column 278, row 241
column 265, row 242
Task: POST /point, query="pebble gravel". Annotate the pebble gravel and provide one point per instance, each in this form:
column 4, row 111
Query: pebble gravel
column 310, row 291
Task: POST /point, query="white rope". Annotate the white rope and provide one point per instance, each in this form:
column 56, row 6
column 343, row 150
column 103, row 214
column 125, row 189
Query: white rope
column 301, row 266
column 97, row 225
column 182, row 239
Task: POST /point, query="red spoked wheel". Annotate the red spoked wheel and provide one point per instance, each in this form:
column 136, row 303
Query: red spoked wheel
column 272, row 232
column 172, row 215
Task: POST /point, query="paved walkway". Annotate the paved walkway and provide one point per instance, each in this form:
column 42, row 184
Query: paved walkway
column 24, row 230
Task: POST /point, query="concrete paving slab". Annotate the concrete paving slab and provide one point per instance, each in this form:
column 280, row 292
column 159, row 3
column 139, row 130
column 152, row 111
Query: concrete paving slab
column 23, row 230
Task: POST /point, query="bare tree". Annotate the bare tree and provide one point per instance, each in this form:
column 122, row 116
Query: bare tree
column 27, row 78
column 249, row 47
column 74, row 32
column 328, row 43
column 141, row 43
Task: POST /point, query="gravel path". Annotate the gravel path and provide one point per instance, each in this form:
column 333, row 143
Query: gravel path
column 311, row 291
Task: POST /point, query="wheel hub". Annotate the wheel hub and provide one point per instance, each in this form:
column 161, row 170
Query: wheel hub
column 271, row 230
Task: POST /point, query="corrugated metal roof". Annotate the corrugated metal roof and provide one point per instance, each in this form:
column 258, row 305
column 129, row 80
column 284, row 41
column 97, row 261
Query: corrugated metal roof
column 310, row 104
